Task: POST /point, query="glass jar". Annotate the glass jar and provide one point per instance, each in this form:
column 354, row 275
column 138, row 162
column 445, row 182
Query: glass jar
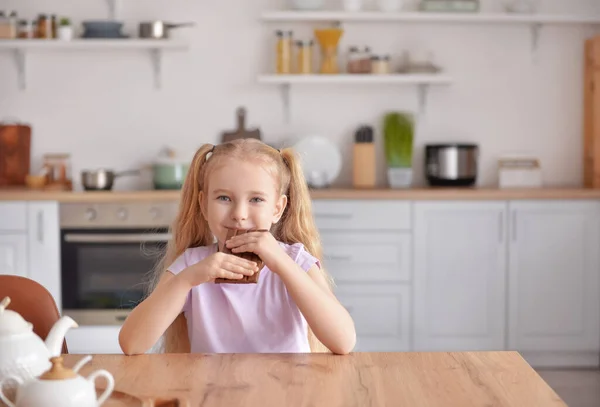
column 25, row 29
column 380, row 64
column 305, row 57
column 44, row 27
column 53, row 26
column 57, row 168
column 329, row 39
column 284, row 52
column 365, row 60
column 353, row 63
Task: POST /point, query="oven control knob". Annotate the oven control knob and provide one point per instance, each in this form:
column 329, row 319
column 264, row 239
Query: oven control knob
column 90, row 214
column 122, row 214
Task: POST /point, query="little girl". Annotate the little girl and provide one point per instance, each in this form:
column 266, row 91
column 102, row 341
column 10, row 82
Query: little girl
column 244, row 184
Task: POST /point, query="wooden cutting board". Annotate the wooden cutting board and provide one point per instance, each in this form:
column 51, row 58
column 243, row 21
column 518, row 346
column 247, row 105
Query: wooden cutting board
column 241, row 131
column 15, row 150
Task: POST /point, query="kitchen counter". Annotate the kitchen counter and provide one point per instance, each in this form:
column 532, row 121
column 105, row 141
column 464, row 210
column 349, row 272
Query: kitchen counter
column 359, row 379
column 465, row 194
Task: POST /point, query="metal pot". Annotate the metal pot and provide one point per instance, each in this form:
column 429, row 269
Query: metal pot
column 452, row 164
column 158, row 29
column 102, row 180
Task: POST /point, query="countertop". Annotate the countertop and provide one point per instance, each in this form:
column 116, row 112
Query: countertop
column 21, row 194
column 359, row 379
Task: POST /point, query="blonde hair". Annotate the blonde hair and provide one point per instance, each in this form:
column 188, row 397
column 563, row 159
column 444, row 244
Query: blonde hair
column 190, row 228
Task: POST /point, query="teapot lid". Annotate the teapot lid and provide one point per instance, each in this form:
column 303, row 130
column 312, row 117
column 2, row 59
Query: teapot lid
column 11, row 322
column 57, row 371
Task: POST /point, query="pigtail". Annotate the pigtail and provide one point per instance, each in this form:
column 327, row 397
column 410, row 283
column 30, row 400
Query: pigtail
column 298, row 225
column 188, row 230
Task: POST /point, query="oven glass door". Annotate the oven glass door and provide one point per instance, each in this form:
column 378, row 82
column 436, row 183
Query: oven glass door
column 107, row 270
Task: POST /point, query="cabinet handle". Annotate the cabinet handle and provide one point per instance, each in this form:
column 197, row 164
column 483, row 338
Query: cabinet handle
column 338, row 258
column 40, row 226
column 500, row 227
column 334, row 215
column 514, row 226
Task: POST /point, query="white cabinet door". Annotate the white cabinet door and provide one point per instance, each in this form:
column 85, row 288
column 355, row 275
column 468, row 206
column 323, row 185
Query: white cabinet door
column 13, row 255
column 554, row 276
column 352, row 256
column 460, row 276
column 381, row 315
column 44, row 246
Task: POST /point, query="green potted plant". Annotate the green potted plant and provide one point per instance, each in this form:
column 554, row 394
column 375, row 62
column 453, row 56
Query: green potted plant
column 65, row 29
column 398, row 134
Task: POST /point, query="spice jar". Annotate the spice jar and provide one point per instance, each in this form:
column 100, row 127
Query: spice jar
column 44, row 29
column 284, row 52
column 365, row 60
column 380, row 64
column 57, row 168
column 53, row 25
column 354, row 60
column 25, row 29
column 305, row 57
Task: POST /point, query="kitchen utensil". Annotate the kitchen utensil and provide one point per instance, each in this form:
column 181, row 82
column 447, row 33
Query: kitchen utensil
column 451, row 164
column 241, row 131
column 321, row 160
column 102, row 29
column 363, row 162
column 102, row 179
column 158, row 29
column 23, row 354
column 15, row 150
column 169, row 171
column 61, row 386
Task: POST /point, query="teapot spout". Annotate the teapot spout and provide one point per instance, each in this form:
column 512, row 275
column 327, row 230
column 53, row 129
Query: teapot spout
column 57, row 334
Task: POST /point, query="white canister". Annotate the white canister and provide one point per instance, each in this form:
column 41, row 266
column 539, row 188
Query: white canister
column 65, row 33
column 352, row 5
column 389, row 5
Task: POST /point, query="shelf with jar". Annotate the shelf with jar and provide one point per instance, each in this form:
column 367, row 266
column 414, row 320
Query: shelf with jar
column 510, row 12
column 317, row 61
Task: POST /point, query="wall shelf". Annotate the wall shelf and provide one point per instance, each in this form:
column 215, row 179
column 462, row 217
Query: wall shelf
column 534, row 21
column 426, row 17
column 20, row 49
column 422, row 81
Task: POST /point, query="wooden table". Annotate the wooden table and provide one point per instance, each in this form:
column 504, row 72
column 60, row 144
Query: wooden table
column 359, row 379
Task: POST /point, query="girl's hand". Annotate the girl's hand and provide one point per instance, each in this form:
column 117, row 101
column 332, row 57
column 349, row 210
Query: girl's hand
column 219, row 265
column 260, row 242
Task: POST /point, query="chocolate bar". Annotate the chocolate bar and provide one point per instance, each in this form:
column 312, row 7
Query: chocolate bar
column 253, row 279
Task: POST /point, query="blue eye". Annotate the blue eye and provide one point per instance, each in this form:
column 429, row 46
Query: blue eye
column 256, row 200
column 223, row 198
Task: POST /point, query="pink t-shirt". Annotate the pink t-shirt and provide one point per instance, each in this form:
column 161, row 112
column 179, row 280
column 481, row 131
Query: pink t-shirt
column 245, row 318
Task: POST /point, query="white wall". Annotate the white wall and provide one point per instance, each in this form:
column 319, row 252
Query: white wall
column 102, row 108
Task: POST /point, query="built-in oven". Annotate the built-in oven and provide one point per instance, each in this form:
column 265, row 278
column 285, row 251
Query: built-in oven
column 108, row 251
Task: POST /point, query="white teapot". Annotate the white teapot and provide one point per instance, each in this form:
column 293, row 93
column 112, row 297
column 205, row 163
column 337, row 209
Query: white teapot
column 23, row 354
column 60, row 386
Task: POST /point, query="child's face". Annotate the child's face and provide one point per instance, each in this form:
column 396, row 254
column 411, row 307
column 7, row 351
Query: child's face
column 241, row 195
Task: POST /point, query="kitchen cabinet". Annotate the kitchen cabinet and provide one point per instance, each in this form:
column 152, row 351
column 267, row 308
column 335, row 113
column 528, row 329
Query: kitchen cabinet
column 30, row 243
column 459, row 276
column 367, row 250
column 13, row 254
column 43, row 241
column 554, row 282
column 381, row 315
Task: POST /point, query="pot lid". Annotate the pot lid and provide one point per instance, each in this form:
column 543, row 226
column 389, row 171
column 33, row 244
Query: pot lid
column 11, row 322
column 169, row 156
column 57, row 371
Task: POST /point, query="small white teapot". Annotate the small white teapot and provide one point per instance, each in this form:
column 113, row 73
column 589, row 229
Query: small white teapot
column 60, row 386
column 22, row 352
